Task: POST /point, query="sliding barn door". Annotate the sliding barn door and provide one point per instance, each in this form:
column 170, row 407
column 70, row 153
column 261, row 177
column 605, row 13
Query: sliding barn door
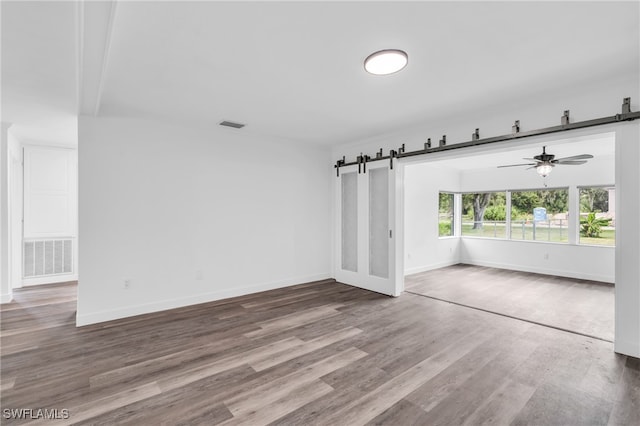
column 365, row 236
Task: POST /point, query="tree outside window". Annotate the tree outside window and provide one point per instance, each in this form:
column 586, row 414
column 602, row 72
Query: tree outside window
column 552, row 222
column 445, row 215
column 484, row 214
column 536, row 215
column 597, row 216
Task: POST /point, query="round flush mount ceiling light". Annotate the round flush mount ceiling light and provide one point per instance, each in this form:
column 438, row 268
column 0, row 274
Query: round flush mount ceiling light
column 386, row 61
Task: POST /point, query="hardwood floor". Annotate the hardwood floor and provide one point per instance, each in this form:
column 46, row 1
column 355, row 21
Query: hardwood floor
column 585, row 307
column 320, row 353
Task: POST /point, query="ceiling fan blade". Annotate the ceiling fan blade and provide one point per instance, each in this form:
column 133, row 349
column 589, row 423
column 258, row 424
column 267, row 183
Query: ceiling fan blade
column 576, row 157
column 570, row 162
column 532, row 167
column 516, row 165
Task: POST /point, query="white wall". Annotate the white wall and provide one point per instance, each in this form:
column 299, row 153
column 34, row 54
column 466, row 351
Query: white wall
column 190, row 216
column 564, row 260
column 587, row 100
column 423, row 249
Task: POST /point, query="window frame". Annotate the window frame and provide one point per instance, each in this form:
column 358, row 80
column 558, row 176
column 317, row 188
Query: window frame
column 573, row 203
column 454, row 215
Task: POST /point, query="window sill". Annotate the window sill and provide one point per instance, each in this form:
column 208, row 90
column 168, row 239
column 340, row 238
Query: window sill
column 537, row 242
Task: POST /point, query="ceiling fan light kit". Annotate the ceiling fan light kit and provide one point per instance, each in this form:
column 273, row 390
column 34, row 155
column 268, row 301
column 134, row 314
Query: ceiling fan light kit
column 565, row 125
column 544, row 169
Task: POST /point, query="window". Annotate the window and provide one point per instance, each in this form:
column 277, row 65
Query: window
column 445, row 215
column 597, row 216
column 540, row 215
column 484, row 214
column 535, row 215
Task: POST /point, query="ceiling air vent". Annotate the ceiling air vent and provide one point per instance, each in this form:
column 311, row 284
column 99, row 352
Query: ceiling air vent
column 232, row 124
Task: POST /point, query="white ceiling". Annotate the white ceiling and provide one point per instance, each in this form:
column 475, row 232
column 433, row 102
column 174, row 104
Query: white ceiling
column 39, row 81
column 294, row 70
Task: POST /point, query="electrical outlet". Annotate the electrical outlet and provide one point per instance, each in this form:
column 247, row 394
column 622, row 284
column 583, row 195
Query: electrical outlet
column 126, row 283
column 199, row 275
column 546, row 256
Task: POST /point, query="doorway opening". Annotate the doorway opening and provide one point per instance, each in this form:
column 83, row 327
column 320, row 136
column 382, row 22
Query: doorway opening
column 44, row 215
column 511, row 259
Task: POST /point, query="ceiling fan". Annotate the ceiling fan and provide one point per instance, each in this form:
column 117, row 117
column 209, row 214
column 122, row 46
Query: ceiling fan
column 544, row 163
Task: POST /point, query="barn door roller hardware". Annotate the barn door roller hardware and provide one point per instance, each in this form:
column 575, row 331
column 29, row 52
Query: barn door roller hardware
column 362, row 160
column 564, row 125
column 394, row 154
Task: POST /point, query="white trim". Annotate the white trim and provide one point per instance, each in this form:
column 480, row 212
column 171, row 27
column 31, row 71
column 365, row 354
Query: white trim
column 515, row 240
column 49, row 279
column 507, row 214
column 419, row 269
column 6, row 298
column 129, row 311
column 626, row 347
column 627, row 251
column 79, row 53
column 544, row 271
column 397, row 204
column 32, row 143
column 16, row 209
column 105, row 57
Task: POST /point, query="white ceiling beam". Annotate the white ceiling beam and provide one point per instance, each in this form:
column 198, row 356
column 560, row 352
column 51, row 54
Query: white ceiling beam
column 79, row 52
column 96, row 32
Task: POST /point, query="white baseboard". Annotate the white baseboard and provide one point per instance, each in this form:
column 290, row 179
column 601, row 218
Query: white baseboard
column 6, row 297
column 544, row 271
column 627, row 348
column 419, row 269
column 52, row 279
column 129, row 311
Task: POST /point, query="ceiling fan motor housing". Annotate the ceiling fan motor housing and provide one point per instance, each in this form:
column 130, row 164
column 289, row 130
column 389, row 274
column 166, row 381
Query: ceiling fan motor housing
column 544, row 157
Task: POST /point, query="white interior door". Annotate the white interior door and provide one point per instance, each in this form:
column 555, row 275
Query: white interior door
column 50, row 220
column 365, row 236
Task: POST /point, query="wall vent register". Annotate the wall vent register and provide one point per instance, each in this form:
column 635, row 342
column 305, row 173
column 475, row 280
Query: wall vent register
column 47, row 257
column 232, row 124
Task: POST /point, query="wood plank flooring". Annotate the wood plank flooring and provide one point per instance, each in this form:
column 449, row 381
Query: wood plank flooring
column 585, row 307
column 320, row 353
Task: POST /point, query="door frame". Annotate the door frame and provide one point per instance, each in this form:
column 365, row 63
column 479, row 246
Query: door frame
column 16, row 212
